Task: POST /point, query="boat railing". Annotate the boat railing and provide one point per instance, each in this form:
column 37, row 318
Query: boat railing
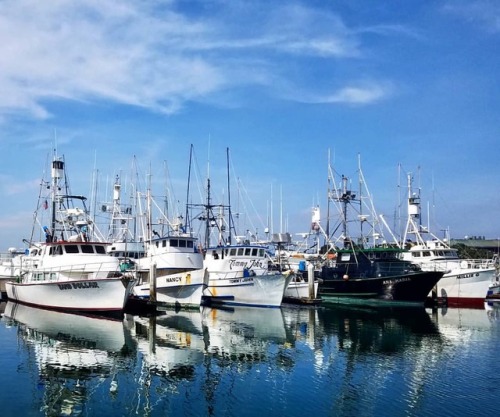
column 446, row 265
column 74, row 271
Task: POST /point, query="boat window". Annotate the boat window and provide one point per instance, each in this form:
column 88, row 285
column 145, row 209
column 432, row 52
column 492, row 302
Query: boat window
column 247, row 251
column 182, row 243
column 71, row 248
column 232, row 252
column 261, row 253
column 174, row 243
column 254, row 251
column 345, row 257
column 55, row 250
column 87, row 249
column 190, row 243
column 100, row 249
column 157, row 244
column 427, row 253
column 240, row 251
column 164, row 243
column 416, row 254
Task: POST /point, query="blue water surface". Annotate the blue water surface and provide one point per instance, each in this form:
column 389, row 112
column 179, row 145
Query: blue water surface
column 292, row 361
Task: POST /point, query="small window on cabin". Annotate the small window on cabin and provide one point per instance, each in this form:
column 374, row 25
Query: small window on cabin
column 416, row 254
column 164, row 243
column 100, row 249
column 174, row 243
column 58, row 250
column 427, row 253
column 232, row 252
column 87, row 249
column 157, row 244
column 190, row 243
column 240, row 251
column 182, row 243
column 261, row 253
column 254, row 251
column 71, row 248
column 247, row 251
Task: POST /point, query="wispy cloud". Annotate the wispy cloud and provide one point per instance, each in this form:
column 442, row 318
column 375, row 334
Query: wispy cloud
column 150, row 54
column 354, row 93
column 484, row 13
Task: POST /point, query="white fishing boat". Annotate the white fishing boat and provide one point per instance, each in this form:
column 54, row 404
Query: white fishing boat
column 465, row 281
column 299, row 288
column 71, row 269
column 171, row 272
column 9, row 268
column 240, row 275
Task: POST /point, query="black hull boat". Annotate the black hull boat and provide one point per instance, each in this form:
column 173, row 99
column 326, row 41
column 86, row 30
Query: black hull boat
column 374, row 276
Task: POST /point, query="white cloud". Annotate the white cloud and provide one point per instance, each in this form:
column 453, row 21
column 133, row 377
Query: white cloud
column 484, row 13
column 150, row 54
column 359, row 94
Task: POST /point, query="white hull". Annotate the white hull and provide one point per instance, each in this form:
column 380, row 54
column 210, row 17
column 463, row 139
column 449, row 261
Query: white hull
column 259, row 290
column 96, row 295
column 184, row 289
column 465, row 285
column 300, row 290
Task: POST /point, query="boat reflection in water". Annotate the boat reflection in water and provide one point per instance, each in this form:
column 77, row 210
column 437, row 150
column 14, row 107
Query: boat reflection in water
column 175, row 342
column 171, row 344
column 71, row 351
column 243, row 333
column 242, row 361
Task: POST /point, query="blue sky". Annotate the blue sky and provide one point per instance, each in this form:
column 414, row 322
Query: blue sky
column 281, row 84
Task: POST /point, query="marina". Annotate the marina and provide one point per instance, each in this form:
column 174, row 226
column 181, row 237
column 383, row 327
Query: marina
column 245, row 361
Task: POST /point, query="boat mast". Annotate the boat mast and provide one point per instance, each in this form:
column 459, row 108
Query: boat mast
column 57, row 174
column 188, row 226
column 231, row 223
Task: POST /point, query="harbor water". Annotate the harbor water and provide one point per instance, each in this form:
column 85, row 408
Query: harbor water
column 289, row 361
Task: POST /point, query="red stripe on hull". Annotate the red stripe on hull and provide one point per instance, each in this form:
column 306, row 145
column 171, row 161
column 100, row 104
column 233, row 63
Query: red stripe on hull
column 462, row 302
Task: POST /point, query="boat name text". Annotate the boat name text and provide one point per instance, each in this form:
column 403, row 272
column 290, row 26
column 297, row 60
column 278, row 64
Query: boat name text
column 78, row 285
column 395, row 281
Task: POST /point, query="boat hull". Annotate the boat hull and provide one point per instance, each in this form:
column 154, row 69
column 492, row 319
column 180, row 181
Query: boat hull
column 96, row 295
column 259, row 290
column 177, row 290
column 411, row 289
column 466, row 288
column 301, row 290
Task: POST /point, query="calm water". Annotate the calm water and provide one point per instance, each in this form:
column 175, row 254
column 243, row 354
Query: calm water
column 289, row 362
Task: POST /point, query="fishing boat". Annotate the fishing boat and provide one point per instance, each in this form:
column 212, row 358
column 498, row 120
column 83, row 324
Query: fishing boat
column 465, row 282
column 171, row 272
column 363, row 272
column 238, row 267
column 240, row 275
column 71, row 269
